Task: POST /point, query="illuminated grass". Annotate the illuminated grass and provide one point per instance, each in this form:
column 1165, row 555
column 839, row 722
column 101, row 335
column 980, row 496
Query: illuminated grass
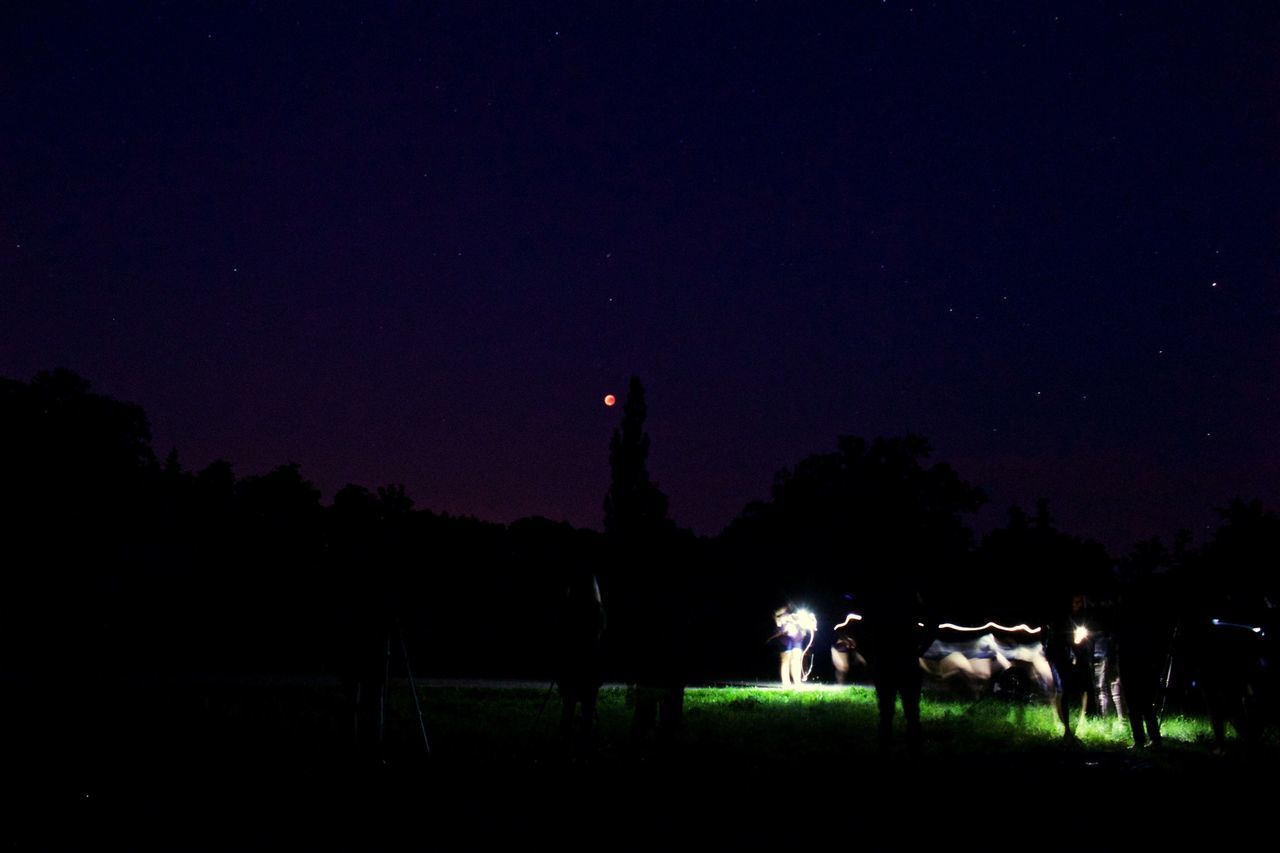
column 726, row 729
column 764, row 727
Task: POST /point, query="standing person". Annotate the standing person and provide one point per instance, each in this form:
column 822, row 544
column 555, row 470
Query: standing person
column 1140, row 654
column 579, row 649
column 661, row 646
column 893, row 618
column 796, row 627
column 1071, row 654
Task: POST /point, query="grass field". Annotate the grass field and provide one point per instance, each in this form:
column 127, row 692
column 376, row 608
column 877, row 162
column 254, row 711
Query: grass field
column 769, row 727
column 208, row 766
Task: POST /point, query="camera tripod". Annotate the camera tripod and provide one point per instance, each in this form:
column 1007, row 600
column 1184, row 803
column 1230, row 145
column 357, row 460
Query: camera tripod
column 393, row 638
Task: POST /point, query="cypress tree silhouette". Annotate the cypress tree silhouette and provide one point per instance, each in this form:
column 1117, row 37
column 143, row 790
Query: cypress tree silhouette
column 634, row 505
column 648, row 612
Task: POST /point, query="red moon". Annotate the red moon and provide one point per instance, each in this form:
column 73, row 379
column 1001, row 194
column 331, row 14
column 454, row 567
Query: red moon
column 609, row 399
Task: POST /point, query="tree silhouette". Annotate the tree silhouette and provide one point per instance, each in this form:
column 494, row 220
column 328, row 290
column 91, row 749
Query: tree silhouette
column 634, row 505
column 1030, row 568
column 836, row 517
column 645, row 582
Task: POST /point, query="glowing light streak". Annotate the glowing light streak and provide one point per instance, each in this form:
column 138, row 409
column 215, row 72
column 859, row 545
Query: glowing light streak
column 852, row 617
column 806, row 620
column 1254, row 628
column 1019, row 628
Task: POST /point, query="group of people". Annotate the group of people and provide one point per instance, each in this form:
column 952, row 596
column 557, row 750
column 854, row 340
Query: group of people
column 1089, row 659
column 1113, row 667
column 891, row 635
column 1078, row 659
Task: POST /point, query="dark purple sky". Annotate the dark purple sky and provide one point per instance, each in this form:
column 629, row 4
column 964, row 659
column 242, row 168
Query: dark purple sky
column 419, row 242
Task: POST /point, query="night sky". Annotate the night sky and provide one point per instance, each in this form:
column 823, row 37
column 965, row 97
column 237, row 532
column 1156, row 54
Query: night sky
column 419, row 243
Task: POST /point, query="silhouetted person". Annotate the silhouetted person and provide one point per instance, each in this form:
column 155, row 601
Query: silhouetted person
column 1236, row 654
column 659, row 667
column 579, row 650
column 1140, row 654
column 1071, row 654
column 892, row 621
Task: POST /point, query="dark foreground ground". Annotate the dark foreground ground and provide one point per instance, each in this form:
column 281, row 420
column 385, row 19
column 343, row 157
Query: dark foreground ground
column 272, row 768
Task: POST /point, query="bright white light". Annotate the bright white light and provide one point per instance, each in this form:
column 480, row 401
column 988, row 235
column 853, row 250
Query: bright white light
column 1081, row 634
column 1023, row 628
column 793, row 623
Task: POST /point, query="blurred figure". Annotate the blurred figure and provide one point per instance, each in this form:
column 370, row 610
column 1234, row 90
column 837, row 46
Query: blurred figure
column 579, row 652
column 1106, row 668
column 845, row 656
column 796, row 628
column 971, row 663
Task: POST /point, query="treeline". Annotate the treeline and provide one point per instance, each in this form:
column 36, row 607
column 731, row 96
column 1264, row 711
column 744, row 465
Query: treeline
column 115, row 561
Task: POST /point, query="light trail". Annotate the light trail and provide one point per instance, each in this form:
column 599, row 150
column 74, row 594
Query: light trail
column 1254, row 628
column 852, row 617
column 1020, row 628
